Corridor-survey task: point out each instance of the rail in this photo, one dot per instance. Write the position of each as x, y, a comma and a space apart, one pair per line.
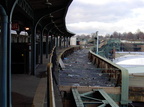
51, 69
50, 86
118, 74
50, 72
46, 87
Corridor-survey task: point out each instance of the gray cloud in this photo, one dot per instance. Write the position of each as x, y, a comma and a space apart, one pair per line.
107, 17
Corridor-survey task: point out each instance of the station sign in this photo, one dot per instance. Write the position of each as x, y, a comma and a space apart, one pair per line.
15, 26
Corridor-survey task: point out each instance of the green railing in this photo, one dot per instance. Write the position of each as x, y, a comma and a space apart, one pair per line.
116, 72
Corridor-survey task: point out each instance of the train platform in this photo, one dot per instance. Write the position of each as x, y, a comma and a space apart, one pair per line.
25, 86
23, 89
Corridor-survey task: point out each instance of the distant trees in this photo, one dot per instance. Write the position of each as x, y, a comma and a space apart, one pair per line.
139, 35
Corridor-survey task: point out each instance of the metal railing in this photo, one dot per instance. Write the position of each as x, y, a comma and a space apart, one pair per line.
46, 87
50, 85
116, 72
51, 75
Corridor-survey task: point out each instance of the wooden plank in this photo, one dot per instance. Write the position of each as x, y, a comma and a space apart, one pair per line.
136, 94
110, 90
136, 81
61, 63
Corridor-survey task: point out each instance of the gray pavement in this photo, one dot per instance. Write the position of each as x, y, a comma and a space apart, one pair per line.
24, 85
23, 89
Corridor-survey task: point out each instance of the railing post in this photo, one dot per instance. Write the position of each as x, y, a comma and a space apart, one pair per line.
125, 88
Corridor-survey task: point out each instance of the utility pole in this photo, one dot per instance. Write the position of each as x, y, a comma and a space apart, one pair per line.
97, 42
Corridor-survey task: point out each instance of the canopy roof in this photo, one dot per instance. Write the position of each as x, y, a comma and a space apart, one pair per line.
49, 13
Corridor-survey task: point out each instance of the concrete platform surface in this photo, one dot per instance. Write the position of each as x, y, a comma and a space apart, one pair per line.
23, 89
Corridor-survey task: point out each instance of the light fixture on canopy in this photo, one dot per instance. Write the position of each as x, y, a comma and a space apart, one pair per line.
48, 3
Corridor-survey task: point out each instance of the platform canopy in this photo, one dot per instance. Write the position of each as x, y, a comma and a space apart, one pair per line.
50, 14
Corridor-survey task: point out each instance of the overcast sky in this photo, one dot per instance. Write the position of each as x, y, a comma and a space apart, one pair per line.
105, 16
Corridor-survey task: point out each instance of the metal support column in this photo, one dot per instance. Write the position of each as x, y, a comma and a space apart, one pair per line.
54, 40
18, 36
33, 52
8, 53
64, 42
3, 57
67, 42
57, 41
9, 79
60, 42
33, 46
41, 48
47, 45
51, 43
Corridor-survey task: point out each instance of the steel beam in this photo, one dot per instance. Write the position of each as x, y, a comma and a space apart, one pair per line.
101, 98
77, 98
108, 98
26, 7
